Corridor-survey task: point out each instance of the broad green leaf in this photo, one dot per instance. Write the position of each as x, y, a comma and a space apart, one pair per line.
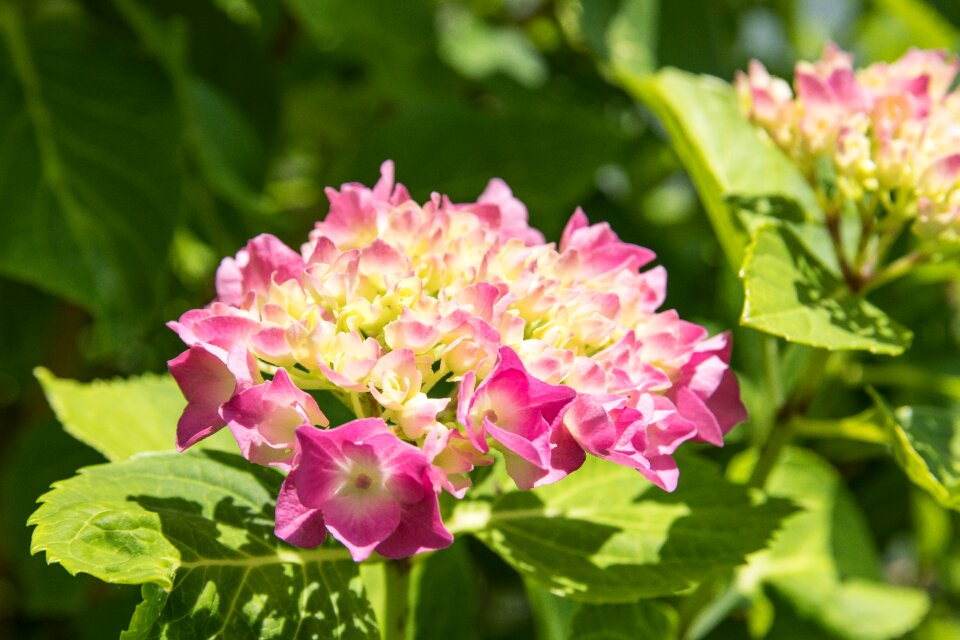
89, 186
727, 158
219, 137
123, 417
823, 560
604, 534
926, 444
790, 293
649, 620
196, 530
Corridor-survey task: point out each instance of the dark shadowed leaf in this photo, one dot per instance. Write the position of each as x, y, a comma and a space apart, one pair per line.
605, 534
90, 188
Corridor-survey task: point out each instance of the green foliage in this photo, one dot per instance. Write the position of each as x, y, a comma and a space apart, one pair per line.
91, 187
926, 445
606, 535
449, 572
142, 140
790, 293
120, 418
197, 531
726, 158
646, 619
823, 561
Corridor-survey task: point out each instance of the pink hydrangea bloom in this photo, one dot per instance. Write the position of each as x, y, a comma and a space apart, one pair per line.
375, 491
548, 353
889, 130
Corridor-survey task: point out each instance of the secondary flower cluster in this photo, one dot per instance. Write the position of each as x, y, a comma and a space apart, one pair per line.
546, 353
890, 131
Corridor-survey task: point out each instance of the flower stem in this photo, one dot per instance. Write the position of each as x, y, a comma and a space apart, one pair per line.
396, 599
896, 269
850, 276
782, 430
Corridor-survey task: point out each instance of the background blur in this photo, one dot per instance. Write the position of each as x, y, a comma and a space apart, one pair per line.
142, 140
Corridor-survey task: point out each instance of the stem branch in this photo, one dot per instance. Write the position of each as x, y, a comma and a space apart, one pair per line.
396, 598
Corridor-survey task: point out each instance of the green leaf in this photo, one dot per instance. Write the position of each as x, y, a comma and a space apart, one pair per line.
632, 36
552, 614
122, 417
196, 530
90, 188
605, 534
927, 28
726, 157
622, 34
646, 619
823, 560
790, 293
220, 138
478, 50
926, 445
450, 571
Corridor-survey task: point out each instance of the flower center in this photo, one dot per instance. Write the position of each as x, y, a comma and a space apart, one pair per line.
362, 481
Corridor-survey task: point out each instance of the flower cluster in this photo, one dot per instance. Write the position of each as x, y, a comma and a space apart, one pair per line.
546, 353
890, 131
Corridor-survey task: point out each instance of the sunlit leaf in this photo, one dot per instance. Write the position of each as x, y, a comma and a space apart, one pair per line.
197, 531
823, 560
604, 534
123, 417
928, 29
790, 293
926, 444
727, 158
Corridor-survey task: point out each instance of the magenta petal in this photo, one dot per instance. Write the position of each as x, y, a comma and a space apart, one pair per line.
813, 91
533, 448
207, 383
588, 423
420, 529
525, 474
662, 472
321, 471
692, 408
361, 522
297, 524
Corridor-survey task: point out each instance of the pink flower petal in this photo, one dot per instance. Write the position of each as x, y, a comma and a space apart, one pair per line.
295, 523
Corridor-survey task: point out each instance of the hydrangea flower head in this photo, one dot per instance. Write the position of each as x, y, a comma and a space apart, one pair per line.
546, 353
890, 132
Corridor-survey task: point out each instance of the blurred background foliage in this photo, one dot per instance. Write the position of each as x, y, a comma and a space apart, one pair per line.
142, 140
